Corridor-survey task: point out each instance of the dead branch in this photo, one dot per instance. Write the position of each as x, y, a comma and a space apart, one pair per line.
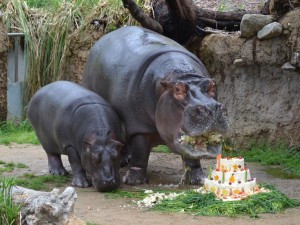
141, 17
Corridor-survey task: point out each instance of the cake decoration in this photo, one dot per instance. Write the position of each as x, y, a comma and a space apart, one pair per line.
231, 179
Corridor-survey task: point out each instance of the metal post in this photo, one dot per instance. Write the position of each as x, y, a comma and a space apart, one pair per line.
16, 37
17, 42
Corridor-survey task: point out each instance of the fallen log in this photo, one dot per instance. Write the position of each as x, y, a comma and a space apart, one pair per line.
38, 207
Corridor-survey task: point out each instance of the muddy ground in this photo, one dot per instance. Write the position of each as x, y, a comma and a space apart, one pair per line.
164, 169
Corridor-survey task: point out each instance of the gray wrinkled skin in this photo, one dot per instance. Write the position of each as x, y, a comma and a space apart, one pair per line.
69, 119
161, 91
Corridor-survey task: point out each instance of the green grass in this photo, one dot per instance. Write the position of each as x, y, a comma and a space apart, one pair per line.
161, 149
18, 133
44, 182
266, 154
8, 210
8, 167
88, 223
208, 205
126, 194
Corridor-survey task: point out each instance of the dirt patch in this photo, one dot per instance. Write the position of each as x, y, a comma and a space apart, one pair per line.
163, 169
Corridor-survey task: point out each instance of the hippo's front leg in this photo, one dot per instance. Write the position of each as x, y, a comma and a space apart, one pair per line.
139, 160
55, 164
79, 174
193, 173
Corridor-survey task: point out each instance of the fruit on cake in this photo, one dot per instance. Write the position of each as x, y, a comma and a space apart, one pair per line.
230, 180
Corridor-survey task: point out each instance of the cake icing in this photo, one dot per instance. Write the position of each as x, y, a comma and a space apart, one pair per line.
230, 179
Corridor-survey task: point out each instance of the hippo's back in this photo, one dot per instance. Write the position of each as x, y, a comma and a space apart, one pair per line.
125, 68
119, 56
51, 108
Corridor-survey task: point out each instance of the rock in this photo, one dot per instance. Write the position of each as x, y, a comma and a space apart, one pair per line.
269, 31
45, 208
295, 60
288, 66
252, 23
238, 62
73, 220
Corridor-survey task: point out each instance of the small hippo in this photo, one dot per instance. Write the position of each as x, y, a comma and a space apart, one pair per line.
162, 93
71, 120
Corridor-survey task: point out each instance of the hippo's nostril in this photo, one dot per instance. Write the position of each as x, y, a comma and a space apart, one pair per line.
223, 110
218, 106
202, 109
205, 110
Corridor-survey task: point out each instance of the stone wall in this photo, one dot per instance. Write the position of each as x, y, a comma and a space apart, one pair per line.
3, 70
262, 98
78, 52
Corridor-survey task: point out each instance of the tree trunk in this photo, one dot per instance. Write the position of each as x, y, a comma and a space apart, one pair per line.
3, 70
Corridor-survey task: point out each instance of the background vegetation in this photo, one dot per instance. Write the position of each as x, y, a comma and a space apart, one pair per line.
8, 210
17, 133
50, 26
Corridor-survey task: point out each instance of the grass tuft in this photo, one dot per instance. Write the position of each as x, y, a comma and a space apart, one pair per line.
208, 205
279, 154
125, 194
161, 149
9, 167
8, 210
17, 133
44, 182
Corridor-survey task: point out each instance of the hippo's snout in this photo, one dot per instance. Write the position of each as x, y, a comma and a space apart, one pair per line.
107, 185
210, 110
201, 130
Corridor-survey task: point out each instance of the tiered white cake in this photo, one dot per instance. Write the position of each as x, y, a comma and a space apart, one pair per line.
230, 180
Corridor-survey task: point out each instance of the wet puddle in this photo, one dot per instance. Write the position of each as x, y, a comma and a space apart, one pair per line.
280, 173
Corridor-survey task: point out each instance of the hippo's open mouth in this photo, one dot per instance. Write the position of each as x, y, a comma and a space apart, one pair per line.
207, 145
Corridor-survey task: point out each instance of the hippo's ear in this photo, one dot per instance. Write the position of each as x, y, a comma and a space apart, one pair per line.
211, 90
179, 91
164, 86
89, 141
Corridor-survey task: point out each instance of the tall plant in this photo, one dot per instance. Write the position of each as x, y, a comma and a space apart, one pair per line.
8, 210
49, 27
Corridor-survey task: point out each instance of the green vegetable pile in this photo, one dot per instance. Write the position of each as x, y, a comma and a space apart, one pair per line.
204, 140
208, 205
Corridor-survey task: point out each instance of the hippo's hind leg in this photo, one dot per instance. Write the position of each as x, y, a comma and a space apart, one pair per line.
139, 160
55, 164
79, 174
125, 156
193, 173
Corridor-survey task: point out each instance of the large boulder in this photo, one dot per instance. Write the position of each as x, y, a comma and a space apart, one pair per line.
270, 31
260, 93
252, 23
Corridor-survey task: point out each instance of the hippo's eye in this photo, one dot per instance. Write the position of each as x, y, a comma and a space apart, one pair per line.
207, 87
193, 93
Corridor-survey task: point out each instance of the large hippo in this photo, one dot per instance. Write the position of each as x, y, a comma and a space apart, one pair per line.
162, 93
71, 120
